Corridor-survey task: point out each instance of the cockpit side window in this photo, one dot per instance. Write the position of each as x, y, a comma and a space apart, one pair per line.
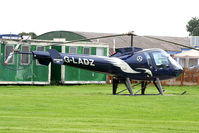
161, 59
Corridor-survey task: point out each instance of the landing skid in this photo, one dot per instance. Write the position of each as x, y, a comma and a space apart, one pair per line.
127, 82
157, 84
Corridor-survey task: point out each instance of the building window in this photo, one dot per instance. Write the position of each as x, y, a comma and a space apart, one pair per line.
39, 48
193, 62
8, 50
100, 51
182, 62
72, 50
25, 58
86, 51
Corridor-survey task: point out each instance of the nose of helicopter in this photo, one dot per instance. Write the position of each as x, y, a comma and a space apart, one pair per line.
178, 71
177, 68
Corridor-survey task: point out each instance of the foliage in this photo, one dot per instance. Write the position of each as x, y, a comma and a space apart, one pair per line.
32, 34
193, 27
92, 109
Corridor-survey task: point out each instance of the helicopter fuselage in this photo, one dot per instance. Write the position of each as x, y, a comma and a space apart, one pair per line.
142, 65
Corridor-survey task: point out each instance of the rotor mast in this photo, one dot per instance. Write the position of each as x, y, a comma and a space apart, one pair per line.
131, 34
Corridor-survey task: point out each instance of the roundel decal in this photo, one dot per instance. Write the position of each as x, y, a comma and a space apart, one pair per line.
139, 58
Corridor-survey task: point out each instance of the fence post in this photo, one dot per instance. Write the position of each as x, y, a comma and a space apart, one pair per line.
182, 78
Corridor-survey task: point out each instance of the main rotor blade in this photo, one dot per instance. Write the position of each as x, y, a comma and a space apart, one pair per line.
52, 43
174, 43
99, 37
94, 38
58, 43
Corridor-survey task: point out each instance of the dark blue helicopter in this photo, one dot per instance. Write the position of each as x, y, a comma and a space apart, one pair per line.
125, 65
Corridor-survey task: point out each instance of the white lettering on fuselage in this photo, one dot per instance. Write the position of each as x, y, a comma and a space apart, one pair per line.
82, 61
58, 60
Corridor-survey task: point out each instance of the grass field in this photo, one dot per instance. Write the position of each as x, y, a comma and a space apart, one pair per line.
92, 109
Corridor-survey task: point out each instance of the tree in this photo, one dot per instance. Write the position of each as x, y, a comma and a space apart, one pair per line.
193, 26
32, 34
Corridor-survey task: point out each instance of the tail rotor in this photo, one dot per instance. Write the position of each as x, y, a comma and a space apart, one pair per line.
16, 49
12, 53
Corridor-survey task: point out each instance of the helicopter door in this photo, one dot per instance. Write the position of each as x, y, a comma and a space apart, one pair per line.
160, 59
150, 64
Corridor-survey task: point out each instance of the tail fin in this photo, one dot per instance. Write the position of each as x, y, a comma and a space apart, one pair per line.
56, 57
41, 56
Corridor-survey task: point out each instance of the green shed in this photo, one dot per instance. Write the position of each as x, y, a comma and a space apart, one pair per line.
22, 69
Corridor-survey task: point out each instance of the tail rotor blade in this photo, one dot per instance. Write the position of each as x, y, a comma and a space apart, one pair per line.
9, 57
12, 53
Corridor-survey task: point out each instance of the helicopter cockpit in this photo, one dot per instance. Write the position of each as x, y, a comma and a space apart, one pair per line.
163, 61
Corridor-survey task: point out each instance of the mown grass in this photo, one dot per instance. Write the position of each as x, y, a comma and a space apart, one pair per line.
92, 109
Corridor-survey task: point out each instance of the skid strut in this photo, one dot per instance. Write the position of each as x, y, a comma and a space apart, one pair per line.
143, 87
127, 82
158, 85
128, 86
115, 82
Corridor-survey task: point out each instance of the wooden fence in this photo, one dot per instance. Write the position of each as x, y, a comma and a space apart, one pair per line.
188, 77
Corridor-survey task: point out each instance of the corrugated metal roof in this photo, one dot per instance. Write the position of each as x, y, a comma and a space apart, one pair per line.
139, 41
